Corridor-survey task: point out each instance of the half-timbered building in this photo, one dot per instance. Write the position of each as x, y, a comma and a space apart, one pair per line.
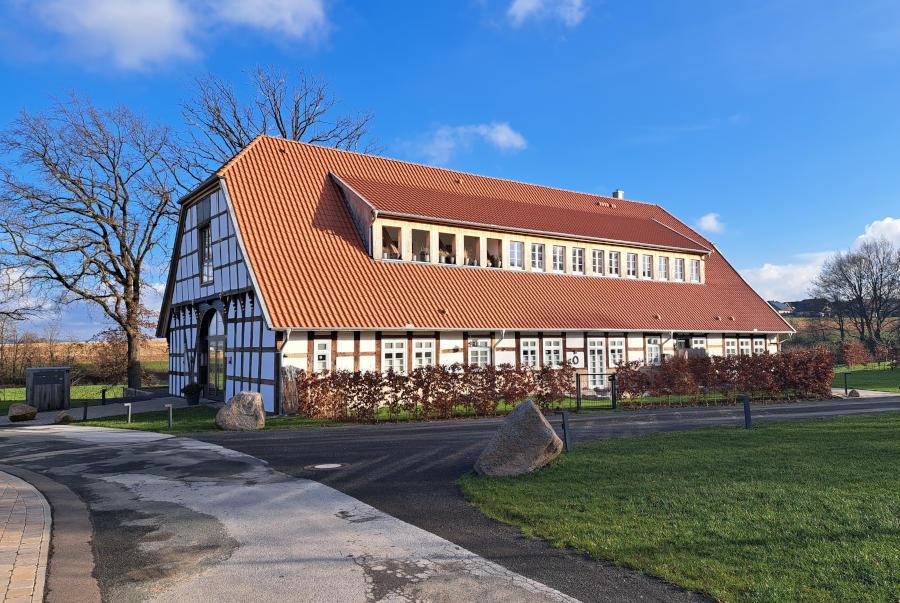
294, 254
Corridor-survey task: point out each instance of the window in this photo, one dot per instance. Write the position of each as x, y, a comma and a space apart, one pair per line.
552, 352
654, 350
663, 268
731, 347
597, 263
759, 346
647, 266
529, 352
393, 356
446, 248
559, 258
516, 251
206, 256
631, 265
494, 253
390, 243
421, 246
578, 260
537, 257
616, 351
698, 343
596, 354
614, 263
322, 357
423, 353
745, 347
472, 251
480, 352
695, 271
679, 269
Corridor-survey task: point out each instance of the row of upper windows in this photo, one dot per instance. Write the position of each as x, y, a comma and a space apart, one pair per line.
602, 353
602, 262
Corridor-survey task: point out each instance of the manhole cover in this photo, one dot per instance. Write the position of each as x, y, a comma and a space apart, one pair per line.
326, 466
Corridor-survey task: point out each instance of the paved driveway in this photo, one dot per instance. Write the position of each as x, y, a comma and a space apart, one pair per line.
409, 471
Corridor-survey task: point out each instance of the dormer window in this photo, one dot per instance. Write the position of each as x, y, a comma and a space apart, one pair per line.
472, 251
516, 253
495, 253
537, 257
559, 258
390, 243
421, 246
446, 248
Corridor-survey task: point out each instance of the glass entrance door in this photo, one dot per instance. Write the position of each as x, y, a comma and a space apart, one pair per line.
212, 355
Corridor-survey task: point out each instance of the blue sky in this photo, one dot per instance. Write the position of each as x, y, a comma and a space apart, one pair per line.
771, 126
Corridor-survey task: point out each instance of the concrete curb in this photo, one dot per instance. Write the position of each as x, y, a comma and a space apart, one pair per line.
70, 564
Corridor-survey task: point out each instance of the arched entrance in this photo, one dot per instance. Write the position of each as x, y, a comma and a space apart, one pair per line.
212, 355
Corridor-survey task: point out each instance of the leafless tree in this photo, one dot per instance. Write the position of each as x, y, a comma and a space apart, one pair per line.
299, 106
865, 283
86, 203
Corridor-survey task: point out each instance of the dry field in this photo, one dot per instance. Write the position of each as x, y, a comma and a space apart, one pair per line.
153, 350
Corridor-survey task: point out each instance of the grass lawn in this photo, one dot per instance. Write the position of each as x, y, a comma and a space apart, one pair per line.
156, 365
195, 419
805, 510
80, 394
872, 376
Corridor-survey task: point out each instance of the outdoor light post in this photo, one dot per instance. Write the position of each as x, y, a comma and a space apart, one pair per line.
746, 400
846, 390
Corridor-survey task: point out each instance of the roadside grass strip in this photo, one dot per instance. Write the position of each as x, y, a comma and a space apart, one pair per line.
79, 395
871, 377
194, 419
806, 510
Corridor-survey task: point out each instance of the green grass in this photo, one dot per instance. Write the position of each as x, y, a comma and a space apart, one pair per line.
873, 376
80, 395
157, 365
786, 511
194, 419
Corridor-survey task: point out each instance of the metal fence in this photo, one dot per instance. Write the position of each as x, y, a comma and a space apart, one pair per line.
595, 391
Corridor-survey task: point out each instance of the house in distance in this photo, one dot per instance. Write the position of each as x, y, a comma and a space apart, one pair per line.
294, 254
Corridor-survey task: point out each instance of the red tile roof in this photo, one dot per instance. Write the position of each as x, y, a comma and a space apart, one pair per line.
313, 271
582, 216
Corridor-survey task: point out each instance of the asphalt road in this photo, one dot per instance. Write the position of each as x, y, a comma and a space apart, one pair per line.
409, 471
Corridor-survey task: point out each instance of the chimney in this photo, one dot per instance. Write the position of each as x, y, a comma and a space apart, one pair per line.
618, 194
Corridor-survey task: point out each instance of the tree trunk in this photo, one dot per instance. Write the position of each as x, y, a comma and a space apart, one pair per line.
134, 358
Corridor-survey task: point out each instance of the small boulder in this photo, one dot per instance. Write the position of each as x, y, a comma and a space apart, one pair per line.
22, 412
63, 417
853, 394
525, 441
243, 412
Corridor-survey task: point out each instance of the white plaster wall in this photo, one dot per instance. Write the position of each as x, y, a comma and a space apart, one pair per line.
574, 340
505, 357
367, 343
344, 363
366, 363
345, 342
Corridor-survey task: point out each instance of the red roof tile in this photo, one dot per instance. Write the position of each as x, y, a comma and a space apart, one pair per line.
313, 271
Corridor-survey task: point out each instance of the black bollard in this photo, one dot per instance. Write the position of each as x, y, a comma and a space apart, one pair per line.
565, 426
746, 400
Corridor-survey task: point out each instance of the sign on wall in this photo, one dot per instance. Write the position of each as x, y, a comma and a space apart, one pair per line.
575, 359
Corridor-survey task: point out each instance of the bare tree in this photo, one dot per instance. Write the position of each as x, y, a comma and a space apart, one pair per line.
222, 120
86, 203
864, 284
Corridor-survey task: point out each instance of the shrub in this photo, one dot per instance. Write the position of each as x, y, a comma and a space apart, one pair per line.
854, 353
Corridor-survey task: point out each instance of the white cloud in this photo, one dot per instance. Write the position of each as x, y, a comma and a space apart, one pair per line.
296, 18
889, 229
446, 140
710, 223
135, 34
570, 12
786, 282
141, 34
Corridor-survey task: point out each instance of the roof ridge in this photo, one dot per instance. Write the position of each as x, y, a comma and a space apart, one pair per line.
442, 169
224, 167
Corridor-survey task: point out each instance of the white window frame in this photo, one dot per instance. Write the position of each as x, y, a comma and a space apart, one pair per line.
480, 351
695, 271
615, 263
615, 351
663, 267
538, 261
529, 352
730, 347
393, 355
646, 266
553, 352
559, 258
745, 347
597, 262
631, 268
423, 353
678, 270
578, 260
759, 346
653, 349
698, 343
596, 361
517, 261
321, 355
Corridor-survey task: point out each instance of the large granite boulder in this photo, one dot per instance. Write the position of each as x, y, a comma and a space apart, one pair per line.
243, 412
524, 442
63, 418
22, 412
853, 394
